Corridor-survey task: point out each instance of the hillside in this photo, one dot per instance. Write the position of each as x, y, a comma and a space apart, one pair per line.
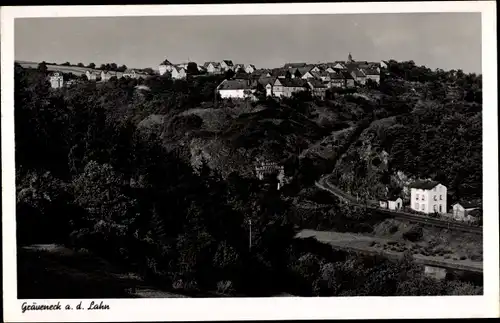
160, 183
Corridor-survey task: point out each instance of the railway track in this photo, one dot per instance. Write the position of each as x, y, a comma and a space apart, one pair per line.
324, 184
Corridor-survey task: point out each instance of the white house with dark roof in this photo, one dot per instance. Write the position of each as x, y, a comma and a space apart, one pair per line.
213, 67
286, 87
165, 67
358, 75
226, 65
250, 68
428, 197
178, 73
107, 75
235, 88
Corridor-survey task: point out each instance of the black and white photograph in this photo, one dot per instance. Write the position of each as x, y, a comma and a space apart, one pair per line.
241, 156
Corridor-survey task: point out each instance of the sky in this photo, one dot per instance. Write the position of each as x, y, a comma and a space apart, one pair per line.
436, 40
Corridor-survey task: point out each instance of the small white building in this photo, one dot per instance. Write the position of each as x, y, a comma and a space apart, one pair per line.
235, 89
56, 80
91, 75
461, 211
178, 73
428, 197
130, 73
250, 68
107, 75
392, 204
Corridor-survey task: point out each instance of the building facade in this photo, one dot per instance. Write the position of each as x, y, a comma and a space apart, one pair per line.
56, 80
428, 197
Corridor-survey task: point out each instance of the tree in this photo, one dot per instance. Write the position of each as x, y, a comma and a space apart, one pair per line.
229, 74
113, 67
103, 67
80, 65
42, 67
91, 65
192, 68
122, 68
66, 64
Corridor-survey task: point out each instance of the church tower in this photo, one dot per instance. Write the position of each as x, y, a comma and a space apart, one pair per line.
349, 58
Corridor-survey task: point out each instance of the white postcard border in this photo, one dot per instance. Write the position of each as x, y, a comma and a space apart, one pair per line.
262, 308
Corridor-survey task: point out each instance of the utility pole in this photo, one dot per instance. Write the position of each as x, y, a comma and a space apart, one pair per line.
250, 235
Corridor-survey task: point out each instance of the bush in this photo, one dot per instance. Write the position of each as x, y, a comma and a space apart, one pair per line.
414, 234
393, 229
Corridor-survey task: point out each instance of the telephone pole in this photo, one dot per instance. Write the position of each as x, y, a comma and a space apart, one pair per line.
250, 235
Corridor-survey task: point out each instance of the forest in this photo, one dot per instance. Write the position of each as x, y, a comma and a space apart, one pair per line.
92, 177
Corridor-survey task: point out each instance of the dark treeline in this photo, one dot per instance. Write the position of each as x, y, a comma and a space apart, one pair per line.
88, 178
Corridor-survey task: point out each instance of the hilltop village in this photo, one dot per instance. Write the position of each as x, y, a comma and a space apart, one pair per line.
244, 80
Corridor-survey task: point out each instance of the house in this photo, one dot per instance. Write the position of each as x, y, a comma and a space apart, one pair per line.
250, 68
358, 75
267, 169
372, 74
226, 65
294, 65
92, 75
462, 211
237, 67
307, 75
337, 80
178, 73
281, 73
392, 203
165, 67
130, 73
428, 197
339, 66
318, 88
286, 87
107, 75
260, 73
213, 67
235, 88
56, 80
383, 64
348, 79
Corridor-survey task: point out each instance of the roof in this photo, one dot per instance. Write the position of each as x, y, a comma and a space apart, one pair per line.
305, 69
290, 65
336, 76
358, 73
215, 64
228, 62
235, 84
468, 205
371, 71
267, 80
166, 62
317, 84
424, 185
129, 70
296, 82
347, 75
250, 65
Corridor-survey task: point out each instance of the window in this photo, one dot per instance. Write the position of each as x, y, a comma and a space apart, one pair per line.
440, 197
435, 198
434, 189
423, 197
416, 206
440, 208
423, 207
417, 197
435, 208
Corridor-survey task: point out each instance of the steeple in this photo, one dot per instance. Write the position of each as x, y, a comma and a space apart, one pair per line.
349, 58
